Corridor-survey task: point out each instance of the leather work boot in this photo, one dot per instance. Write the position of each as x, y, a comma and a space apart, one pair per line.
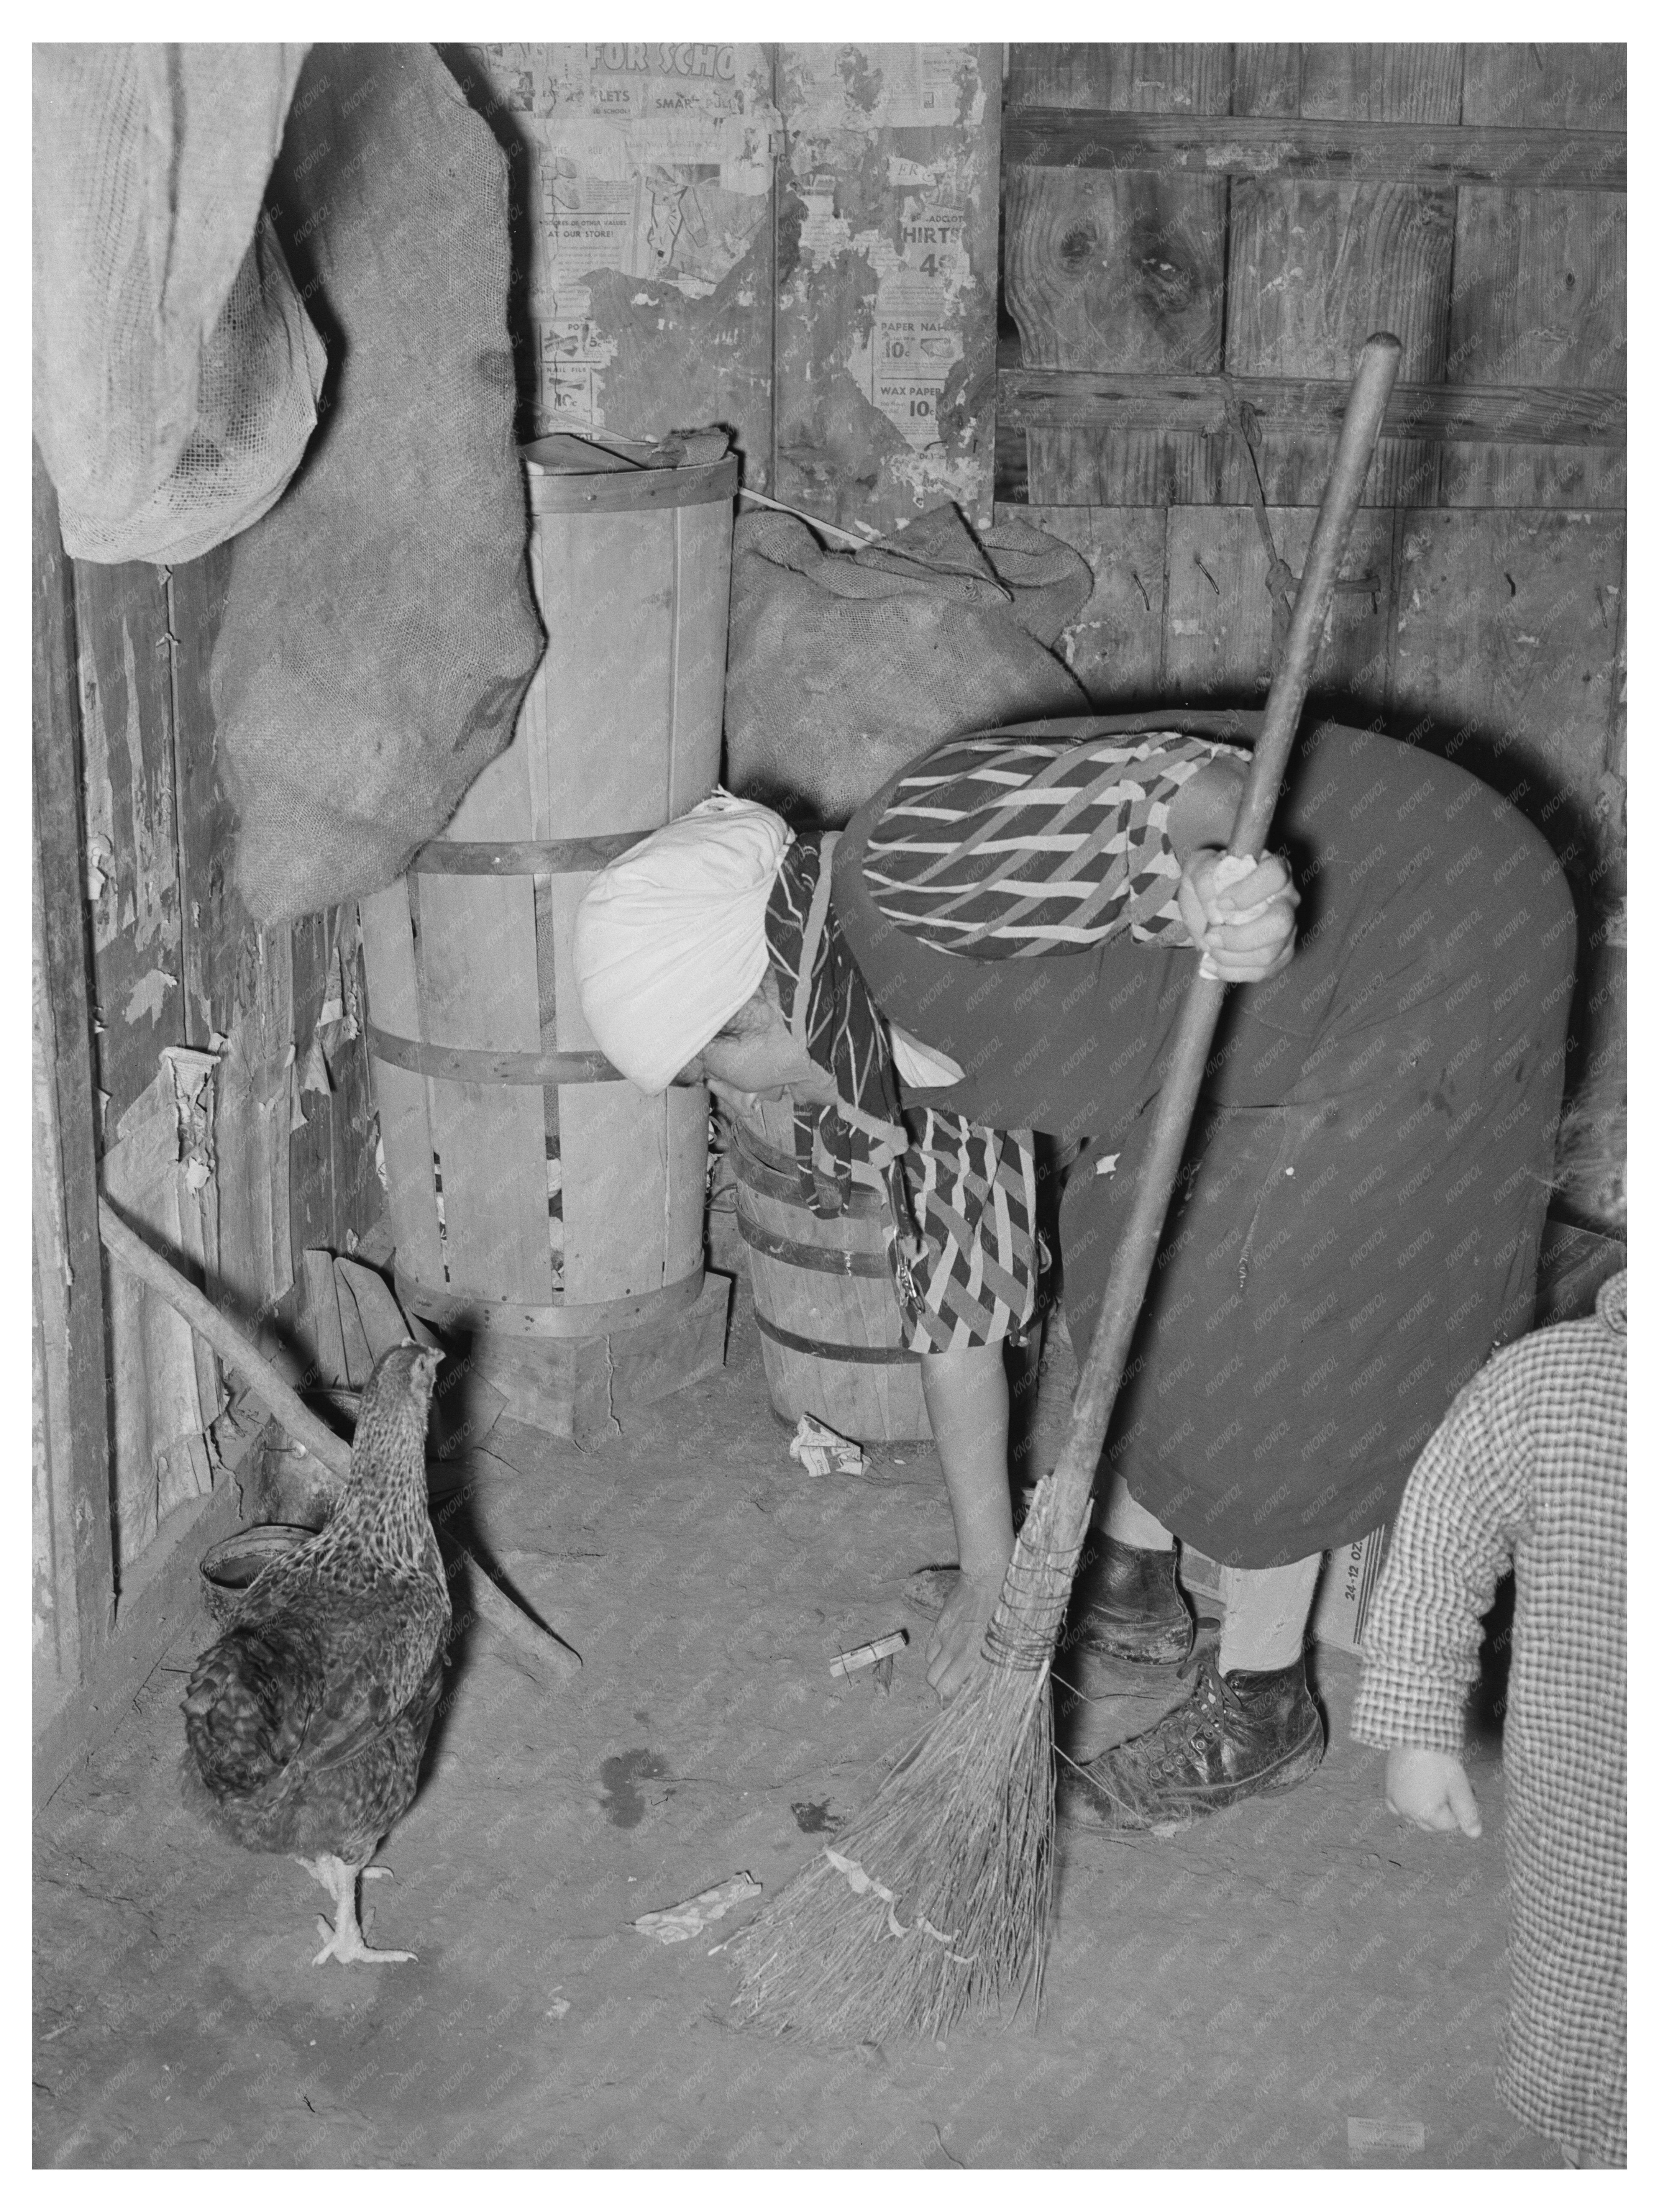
1236, 1736
1128, 1605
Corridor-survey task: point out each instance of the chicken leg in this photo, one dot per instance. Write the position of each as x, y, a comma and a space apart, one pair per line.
344, 1940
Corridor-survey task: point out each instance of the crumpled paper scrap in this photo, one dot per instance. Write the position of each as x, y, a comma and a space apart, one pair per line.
678, 1923
821, 1451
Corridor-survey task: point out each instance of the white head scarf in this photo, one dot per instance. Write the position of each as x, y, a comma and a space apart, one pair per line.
670, 939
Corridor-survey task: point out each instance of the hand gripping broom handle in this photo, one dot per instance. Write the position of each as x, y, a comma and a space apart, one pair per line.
1132, 1262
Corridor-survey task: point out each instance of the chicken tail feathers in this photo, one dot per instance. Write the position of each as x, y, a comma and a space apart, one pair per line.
246, 1707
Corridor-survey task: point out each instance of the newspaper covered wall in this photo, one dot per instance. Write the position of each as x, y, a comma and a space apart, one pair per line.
796, 241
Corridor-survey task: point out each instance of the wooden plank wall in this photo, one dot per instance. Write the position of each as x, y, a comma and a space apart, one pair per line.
142, 943
71, 1539
1187, 225
177, 960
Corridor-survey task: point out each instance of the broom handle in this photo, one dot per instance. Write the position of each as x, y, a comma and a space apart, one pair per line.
1132, 1262
539, 1645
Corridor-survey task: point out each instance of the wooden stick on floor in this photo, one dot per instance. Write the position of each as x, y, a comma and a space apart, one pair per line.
544, 1653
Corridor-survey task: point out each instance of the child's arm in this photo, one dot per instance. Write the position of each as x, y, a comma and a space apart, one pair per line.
1454, 1536
1431, 1789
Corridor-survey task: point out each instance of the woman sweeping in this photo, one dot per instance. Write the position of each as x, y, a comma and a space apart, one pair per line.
998, 944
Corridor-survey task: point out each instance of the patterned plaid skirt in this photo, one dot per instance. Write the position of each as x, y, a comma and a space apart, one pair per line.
972, 1192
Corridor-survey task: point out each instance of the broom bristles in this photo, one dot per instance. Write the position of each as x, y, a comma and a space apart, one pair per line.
936, 1896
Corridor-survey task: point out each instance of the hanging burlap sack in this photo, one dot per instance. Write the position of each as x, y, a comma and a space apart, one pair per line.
380, 628
843, 667
176, 373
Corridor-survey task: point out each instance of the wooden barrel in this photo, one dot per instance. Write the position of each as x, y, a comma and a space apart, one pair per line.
534, 1195
830, 1324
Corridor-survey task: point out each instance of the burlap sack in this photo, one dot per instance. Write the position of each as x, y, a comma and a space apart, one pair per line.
380, 628
176, 373
843, 667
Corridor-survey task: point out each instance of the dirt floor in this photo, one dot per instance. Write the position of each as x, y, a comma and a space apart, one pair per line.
1241, 1996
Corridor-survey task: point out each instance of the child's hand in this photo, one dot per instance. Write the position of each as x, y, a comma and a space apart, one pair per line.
1245, 924
1431, 1787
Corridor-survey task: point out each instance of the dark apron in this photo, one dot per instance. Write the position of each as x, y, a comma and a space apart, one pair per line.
1366, 1182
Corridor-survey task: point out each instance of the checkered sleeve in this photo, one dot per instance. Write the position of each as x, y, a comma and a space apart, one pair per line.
1459, 1522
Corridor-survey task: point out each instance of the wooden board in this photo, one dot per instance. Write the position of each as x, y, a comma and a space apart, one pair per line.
1031, 399
1387, 83
1219, 624
1373, 83
1114, 648
254, 1125
1087, 467
1110, 272
1319, 268
886, 279
1310, 148
334, 1193
238, 978
1484, 473
1541, 296
74, 1584
1122, 469
1314, 267
1506, 638
1559, 85
1069, 437
1267, 80
405, 1113
215, 927
54, 1654
238, 1001
162, 1398
1186, 80
131, 815
1105, 272
1540, 300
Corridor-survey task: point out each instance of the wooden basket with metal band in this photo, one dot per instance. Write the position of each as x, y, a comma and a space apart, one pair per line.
831, 1327
485, 1070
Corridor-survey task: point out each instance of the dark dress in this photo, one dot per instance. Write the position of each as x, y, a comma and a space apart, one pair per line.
1368, 1172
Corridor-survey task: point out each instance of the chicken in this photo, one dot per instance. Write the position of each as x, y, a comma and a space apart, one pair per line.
307, 1720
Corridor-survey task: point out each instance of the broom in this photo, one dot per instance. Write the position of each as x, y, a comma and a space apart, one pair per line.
937, 1894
